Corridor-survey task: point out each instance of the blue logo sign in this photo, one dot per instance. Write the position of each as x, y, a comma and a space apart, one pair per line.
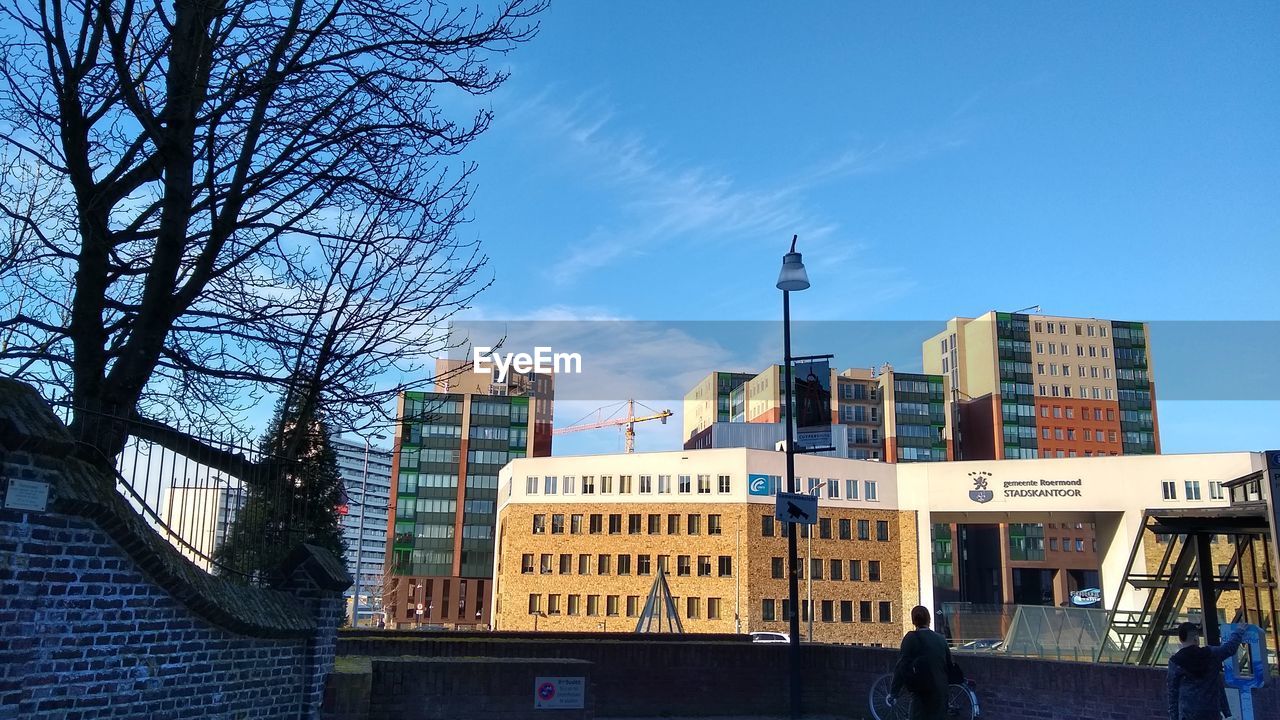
1255, 642
758, 484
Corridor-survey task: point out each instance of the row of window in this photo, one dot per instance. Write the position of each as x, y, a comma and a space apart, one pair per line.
1091, 372
1191, 489
637, 524
1085, 393
1069, 412
568, 485
621, 564
1067, 544
830, 488
827, 610
1088, 434
832, 569
844, 527
1081, 328
692, 607
1052, 453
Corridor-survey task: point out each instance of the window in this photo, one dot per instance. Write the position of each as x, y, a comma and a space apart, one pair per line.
1170, 490
566, 564
624, 564
1053, 544
624, 484
837, 570
1215, 490
588, 484
713, 608
855, 570
846, 529
611, 605
873, 571
606, 484
833, 488
535, 604
869, 488
615, 523
633, 605
575, 524
864, 530
526, 564
886, 611
768, 610
683, 567
766, 525
646, 484
704, 484
593, 605
704, 566
655, 524
725, 568
725, 485
557, 524
882, 530
602, 564
673, 524
635, 523
664, 484
575, 604
596, 524
815, 568
693, 608
864, 611
713, 525
851, 489
664, 563
570, 485
1192, 488
777, 568
1079, 545
531, 485
544, 563
553, 604
824, 528
828, 611
584, 564
695, 524
643, 565
686, 484
846, 611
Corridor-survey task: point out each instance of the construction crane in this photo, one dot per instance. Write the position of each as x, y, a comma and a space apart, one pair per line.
629, 422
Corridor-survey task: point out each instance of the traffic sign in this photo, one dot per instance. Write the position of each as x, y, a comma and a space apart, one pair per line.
559, 693
798, 508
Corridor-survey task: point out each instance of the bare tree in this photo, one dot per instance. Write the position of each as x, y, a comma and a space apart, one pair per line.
252, 190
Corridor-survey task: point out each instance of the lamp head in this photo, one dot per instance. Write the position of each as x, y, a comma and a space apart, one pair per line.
793, 276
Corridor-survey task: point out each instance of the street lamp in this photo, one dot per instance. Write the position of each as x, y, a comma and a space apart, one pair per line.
364, 506
792, 278
537, 614
815, 491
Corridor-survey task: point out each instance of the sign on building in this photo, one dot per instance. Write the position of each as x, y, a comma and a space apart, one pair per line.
559, 693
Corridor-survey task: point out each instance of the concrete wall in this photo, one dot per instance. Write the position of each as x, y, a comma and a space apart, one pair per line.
102, 617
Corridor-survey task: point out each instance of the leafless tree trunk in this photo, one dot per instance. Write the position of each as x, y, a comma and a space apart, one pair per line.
250, 190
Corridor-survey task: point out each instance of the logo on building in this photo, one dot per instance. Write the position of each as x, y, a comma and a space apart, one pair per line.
980, 493
758, 484
1086, 597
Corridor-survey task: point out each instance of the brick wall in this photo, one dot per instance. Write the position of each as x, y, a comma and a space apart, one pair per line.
100, 617
634, 677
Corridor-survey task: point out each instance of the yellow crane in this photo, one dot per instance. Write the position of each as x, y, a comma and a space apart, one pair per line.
629, 421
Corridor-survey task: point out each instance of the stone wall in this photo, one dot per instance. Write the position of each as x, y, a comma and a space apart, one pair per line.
101, 617
662, 676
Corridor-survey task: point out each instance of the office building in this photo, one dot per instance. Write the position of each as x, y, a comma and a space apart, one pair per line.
366, 480
580, 539
449, 447
1029, 386
709, 401
881, 414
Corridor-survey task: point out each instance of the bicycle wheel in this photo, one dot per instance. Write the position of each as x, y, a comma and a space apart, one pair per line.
959, 703
879, 700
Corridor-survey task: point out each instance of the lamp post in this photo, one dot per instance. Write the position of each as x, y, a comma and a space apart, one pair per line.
815, 491
364, 506
792, 278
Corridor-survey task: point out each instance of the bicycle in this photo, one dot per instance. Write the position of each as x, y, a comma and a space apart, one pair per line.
962, 701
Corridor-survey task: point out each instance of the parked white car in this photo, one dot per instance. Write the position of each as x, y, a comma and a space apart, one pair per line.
770, 637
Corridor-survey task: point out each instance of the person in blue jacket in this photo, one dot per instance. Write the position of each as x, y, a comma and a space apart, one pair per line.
1195, 675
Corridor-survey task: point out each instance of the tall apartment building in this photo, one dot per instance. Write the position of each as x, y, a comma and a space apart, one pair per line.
1046, 386
709, 401
885, 415
450, 445
368, 489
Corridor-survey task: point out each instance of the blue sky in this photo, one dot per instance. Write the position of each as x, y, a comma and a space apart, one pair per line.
650, 160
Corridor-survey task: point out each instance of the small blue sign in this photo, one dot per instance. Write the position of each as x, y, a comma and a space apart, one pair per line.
1257, 647
797, 508
758, 485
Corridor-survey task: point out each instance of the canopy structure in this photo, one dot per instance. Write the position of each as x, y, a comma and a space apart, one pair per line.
659, 607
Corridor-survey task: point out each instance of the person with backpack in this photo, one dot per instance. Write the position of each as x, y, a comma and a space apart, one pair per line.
1194, 681
923, 668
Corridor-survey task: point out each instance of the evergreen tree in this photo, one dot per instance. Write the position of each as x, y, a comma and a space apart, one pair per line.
294, 500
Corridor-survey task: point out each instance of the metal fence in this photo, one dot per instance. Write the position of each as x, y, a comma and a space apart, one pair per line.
226, 525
